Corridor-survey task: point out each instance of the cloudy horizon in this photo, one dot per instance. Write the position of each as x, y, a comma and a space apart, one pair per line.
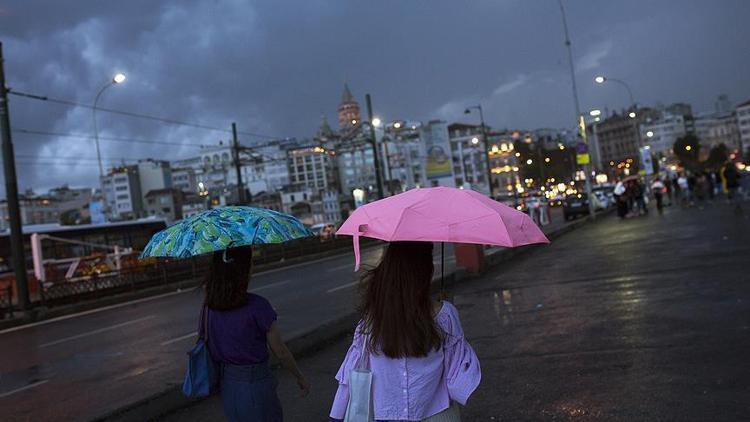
276, 69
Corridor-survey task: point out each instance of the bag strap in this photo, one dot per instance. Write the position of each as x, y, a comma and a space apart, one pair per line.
365, 354
203, 329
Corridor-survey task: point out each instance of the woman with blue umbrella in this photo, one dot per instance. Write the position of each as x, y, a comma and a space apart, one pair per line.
236, 327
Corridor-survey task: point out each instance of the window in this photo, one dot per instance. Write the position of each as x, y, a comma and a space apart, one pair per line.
121, 188
291, 198
225, 157
164, 200
123, 197
121, 179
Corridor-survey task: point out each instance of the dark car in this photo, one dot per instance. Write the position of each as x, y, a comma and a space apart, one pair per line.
575, 205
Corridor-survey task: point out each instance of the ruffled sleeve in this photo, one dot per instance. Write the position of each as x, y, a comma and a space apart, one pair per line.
463, 373
341, 399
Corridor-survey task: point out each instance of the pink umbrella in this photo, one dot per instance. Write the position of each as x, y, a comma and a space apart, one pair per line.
441, 215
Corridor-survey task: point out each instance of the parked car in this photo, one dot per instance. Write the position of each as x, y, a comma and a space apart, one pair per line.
575, 205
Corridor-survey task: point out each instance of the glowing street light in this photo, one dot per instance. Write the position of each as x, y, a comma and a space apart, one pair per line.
650, 134
529, 161
600, 79
377, 122
631, 114
475, 140
119, 78
595, 113
397, 125
688, 147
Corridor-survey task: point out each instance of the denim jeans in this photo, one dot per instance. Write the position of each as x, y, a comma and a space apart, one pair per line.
248, 393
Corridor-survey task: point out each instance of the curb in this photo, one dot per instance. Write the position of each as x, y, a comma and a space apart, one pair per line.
306, 344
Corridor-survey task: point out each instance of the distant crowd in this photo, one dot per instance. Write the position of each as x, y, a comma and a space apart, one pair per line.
689, 189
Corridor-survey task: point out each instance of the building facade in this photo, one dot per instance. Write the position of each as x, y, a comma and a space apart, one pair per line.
743, 126
661, 133
166, 203
122, 193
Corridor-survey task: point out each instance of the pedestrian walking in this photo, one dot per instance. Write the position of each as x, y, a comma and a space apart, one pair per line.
422, 366
639, 193
658, 189
236, 327
699, 189
684, 188
731, 181
241, 327
620, 194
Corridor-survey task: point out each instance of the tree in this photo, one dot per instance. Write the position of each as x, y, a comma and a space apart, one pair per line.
687, 149
718, 155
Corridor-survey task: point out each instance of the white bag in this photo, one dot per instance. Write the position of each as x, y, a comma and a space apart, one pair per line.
360, 407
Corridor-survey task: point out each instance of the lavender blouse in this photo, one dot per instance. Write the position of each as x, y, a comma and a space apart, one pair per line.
416, 388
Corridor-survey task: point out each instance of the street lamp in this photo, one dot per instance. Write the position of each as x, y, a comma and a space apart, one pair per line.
602, 79
376, 122
650, 134
595, 113
475, 140
486, 143
116, 80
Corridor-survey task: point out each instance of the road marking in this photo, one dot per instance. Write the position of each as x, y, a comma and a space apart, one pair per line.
97, 331
268, 286
345, 286
340, 267
180, 338
94, 311
18, 390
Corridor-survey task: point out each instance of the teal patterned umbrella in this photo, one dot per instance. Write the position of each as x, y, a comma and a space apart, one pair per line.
220, 228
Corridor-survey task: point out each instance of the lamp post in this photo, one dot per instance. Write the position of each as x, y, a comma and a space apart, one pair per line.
586, 172
374, 141
486, 140
601, 80
117, 79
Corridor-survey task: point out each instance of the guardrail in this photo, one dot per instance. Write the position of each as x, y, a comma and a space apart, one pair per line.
179, 272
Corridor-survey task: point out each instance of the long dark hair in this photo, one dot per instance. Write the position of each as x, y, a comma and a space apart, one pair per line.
396, 307
228, 278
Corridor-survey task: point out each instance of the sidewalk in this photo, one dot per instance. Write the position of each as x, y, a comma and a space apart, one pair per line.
642, 319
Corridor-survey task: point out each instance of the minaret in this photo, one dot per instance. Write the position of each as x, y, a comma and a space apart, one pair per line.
348, 110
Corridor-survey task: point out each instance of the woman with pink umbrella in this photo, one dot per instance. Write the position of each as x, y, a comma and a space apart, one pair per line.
409, 359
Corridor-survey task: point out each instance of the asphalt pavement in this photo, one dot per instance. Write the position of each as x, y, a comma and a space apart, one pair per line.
643, 319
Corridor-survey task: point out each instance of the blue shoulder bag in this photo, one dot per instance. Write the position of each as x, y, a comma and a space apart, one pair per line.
201, 378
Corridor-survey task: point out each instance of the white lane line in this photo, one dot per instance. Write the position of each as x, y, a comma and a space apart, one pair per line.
268, 286
341, 267
94, 311
97, 331
345, 286
18, 390
180, 338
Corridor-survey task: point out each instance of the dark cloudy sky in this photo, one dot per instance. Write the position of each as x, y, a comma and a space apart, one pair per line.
274, 66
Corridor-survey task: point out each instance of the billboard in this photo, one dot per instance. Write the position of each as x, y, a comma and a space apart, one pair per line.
96, 210
437, 147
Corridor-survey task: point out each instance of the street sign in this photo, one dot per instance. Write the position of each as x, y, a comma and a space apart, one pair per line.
583, 159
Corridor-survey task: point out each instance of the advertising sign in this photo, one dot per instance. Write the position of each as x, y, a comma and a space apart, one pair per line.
439, 166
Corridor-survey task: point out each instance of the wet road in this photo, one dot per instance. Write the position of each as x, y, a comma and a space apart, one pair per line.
642, 319
88, 364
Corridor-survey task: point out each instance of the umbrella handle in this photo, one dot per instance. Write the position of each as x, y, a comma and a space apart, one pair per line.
224, 255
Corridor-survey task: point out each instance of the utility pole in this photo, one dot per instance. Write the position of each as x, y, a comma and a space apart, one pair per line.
11, 192
374, 141
237, 166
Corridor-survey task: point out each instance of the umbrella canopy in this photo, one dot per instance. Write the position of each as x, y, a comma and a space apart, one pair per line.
631, 178
441, 215
220, 228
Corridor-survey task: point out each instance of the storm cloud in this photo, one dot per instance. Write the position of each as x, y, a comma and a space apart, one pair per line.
275, 67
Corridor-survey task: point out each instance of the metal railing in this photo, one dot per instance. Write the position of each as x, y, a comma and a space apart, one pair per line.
181, 273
